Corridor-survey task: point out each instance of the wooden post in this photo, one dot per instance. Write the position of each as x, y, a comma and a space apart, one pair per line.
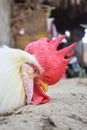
5, 37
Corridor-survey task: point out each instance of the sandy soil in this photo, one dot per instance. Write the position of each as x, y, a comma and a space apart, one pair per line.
67, 110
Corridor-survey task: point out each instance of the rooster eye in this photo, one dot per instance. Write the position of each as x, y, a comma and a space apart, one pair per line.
35, 70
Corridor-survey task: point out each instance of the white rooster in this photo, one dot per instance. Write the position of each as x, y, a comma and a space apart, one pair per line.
17, 70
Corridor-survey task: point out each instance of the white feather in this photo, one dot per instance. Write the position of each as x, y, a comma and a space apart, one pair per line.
12, 93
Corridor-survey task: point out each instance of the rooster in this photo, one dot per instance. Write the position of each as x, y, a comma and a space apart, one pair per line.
18, 70
25, 75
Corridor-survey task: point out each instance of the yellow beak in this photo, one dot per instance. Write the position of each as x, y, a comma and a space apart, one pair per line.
44, 86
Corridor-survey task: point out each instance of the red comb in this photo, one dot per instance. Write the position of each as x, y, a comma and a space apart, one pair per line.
52, 61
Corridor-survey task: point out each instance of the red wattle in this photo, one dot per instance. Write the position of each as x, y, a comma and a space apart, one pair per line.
39, 96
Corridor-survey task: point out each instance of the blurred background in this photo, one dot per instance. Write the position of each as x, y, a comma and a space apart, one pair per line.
24, 21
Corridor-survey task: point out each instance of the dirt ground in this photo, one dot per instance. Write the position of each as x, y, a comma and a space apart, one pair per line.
67, 110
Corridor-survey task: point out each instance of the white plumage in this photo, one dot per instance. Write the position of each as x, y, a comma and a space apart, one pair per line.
12, 92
